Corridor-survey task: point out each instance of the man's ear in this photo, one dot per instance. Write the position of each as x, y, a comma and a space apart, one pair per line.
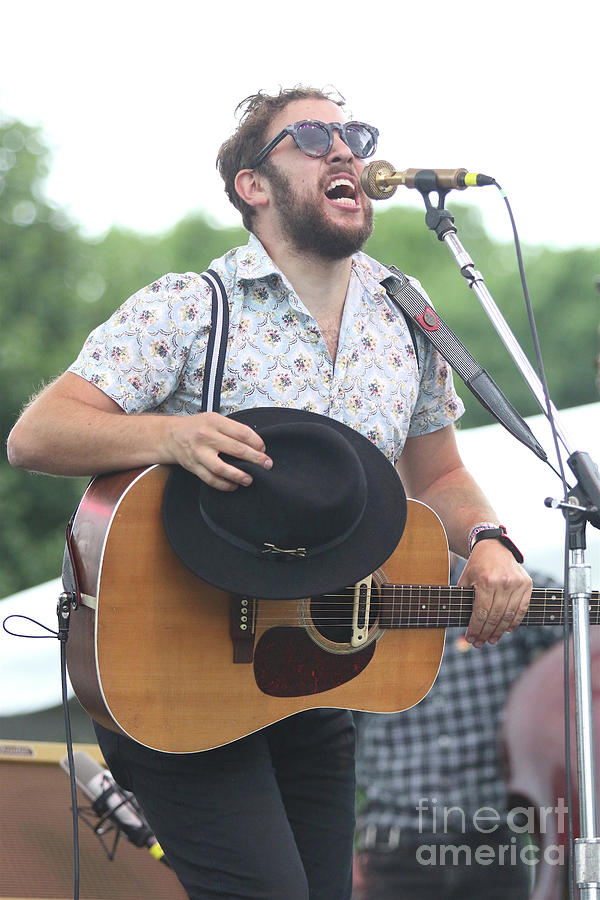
250, 188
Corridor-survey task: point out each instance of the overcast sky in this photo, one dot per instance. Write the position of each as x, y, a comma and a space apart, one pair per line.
136, 97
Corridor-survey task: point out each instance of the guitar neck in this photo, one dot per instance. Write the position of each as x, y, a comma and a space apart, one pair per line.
441, 606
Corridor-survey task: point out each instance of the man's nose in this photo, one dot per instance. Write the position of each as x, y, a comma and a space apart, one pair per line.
340, 151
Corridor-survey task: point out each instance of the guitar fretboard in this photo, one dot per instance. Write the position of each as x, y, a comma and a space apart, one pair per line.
441, 606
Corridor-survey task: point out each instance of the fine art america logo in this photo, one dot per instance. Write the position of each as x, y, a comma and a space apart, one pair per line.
527, 824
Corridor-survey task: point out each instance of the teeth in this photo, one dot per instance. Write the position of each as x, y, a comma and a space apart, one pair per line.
339, 182
342, 182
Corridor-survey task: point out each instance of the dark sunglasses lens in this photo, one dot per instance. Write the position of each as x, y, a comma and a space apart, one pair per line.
312, 139
360, 140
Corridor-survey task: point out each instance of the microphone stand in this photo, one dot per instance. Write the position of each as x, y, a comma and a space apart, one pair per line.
580, 507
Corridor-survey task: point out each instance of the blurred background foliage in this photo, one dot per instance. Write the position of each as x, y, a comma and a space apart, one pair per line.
56, 285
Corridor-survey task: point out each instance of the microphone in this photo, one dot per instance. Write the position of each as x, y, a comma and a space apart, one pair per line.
111, 802
379, 179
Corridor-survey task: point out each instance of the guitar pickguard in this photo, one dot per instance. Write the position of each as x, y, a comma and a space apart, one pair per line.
287, 663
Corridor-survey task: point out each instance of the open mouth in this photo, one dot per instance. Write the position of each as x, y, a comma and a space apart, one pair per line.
342, 191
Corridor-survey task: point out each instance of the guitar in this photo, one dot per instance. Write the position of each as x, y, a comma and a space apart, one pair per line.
180, 666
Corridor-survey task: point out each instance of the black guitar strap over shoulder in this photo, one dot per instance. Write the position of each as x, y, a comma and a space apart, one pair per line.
216, 349
416, 308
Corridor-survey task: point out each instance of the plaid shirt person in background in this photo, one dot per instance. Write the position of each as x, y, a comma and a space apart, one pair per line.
431, 777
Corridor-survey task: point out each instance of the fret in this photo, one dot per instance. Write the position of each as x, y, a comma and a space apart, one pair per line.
425, 604
444, 610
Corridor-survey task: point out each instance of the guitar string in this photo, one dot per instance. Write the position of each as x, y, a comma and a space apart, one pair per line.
450, 616
537, 594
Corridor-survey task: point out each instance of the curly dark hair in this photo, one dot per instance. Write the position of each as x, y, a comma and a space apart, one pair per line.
257, 112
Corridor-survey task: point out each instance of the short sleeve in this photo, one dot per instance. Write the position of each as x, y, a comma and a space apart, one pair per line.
137, 356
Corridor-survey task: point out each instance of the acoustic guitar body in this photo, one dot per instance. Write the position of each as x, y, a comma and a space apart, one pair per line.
151, 649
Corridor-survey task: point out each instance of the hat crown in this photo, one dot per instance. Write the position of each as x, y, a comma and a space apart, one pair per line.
313, 497
332, 507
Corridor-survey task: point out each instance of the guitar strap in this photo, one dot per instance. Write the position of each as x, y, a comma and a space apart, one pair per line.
416, 308
69, 572
217, 344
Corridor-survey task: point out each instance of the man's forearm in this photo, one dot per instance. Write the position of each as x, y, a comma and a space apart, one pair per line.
460, 503
84, 440
432, 471
73, 428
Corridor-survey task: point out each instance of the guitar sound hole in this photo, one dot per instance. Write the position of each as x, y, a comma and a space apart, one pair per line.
332, 614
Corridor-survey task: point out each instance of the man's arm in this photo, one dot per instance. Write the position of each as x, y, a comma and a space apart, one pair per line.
432, 471
74, 428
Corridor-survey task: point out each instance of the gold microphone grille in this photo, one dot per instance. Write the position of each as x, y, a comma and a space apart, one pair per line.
368, 180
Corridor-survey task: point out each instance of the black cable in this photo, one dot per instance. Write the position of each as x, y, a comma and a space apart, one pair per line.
53, 633
535, 338
69, 740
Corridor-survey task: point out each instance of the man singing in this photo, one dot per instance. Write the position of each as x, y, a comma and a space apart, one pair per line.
310, 327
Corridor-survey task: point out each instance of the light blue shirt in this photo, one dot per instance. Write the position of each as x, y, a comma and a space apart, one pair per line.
149, 356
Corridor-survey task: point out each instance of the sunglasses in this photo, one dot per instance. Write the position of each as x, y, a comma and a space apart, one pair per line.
315, 138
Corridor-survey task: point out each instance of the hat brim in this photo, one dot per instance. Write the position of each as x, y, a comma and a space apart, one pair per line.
216, 561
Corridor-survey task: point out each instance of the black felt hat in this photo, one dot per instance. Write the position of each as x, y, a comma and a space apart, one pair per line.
330, 511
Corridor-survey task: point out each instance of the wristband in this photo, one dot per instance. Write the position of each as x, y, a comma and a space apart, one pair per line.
488, 530
481, 526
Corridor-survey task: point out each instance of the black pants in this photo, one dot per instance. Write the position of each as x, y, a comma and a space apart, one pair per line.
270, 816
427, 867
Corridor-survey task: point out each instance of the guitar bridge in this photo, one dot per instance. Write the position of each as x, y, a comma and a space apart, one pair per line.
360, 611
242, 619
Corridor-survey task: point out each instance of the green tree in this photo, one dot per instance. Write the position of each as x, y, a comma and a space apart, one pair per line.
40, 267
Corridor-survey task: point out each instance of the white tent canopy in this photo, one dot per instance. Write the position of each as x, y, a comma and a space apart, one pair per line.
513, 478
30, 669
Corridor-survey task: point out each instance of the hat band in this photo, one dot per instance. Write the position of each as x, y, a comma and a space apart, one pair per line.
279, 553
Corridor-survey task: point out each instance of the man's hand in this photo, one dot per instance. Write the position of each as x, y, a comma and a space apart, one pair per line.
196, 442
502, 591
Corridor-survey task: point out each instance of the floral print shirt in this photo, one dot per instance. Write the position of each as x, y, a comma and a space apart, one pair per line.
149, 355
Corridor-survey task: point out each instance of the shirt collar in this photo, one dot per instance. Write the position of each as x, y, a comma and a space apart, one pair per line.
254, 263
370, 272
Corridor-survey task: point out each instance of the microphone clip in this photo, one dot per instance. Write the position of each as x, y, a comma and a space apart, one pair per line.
101, 826
437, 218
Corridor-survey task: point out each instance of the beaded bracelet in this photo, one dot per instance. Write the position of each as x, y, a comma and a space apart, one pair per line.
481, 526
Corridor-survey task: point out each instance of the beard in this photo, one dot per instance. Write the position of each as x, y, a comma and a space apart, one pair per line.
307, 228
